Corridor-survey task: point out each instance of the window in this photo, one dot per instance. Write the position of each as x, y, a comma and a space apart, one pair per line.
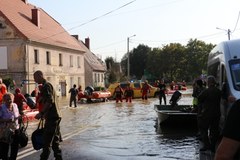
137, 85
124, 85
36, 56
48, 56
78, 62
235, 73
71, 61
3, 59
102, 77
79, 80
60, 60
95, 77
71, 82
98, 77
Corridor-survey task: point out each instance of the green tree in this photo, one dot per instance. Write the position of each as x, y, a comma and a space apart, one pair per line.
109, 62
172, 62
197, 56
138, 60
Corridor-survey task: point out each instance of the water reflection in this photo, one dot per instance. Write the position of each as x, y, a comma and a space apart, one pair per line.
127, 131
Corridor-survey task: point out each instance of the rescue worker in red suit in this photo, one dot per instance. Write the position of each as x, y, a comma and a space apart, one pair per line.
118, 93
145, 90
3, 90
128, 93
19, 99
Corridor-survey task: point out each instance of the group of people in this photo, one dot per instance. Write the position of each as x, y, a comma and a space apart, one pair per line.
10, 116
128, 92
119, 93
206, 102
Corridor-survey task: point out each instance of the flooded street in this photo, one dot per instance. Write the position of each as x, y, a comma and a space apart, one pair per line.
110, 131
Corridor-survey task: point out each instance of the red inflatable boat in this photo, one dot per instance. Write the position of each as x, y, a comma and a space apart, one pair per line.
103, 95
29, 113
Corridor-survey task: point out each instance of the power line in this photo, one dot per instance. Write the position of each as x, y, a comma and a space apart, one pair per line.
91, 19
236, 22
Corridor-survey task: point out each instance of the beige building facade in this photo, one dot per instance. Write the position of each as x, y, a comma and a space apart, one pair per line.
31, 40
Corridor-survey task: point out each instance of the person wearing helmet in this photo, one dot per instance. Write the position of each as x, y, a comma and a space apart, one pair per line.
128, 93
118, 93
145, 90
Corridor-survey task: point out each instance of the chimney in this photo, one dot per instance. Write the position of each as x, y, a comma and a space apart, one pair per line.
87, 43
36, 17
75, 36
24, 1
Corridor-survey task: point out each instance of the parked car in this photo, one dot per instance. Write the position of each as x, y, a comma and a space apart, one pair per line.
136, 86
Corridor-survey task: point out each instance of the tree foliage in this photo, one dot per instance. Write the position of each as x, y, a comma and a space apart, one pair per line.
173, 61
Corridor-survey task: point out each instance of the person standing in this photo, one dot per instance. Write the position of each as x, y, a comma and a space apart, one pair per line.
145, 90
162, 90
118, 92
9, 115
229, 147
209, 115
128, 93
19, 99
51, 113
73, 97
197, 89
3, 90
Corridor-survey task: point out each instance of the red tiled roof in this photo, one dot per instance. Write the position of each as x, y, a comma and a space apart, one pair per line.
19, 15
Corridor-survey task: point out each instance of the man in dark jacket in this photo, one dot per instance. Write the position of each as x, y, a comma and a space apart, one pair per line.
73, 98
162, 90
209, 115
51, 113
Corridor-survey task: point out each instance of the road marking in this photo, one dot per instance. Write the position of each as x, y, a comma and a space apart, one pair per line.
29, 151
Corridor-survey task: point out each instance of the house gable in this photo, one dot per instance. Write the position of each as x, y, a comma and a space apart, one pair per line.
36, 25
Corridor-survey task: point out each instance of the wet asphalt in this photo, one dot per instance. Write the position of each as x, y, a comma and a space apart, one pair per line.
123, 131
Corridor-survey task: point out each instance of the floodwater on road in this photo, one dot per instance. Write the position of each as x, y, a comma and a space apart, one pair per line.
123, 131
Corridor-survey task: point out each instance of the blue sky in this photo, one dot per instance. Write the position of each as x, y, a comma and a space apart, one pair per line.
155, 23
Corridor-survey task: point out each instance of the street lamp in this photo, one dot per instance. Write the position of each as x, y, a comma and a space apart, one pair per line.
227, 30
128, 64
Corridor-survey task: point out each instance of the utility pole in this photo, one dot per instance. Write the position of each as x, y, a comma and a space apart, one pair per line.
128, 64
227, 30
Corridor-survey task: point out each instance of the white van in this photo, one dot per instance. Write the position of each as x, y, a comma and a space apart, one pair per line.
224, 64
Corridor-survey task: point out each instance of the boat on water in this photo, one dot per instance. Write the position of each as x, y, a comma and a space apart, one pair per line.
175, 115
29, 114
100, 95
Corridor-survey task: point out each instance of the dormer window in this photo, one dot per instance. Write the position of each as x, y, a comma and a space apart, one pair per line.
2, 26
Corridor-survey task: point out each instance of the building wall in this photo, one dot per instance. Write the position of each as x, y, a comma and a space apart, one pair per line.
91, 77
88, 75
19, 62
21, 65
58, 74
98, 79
